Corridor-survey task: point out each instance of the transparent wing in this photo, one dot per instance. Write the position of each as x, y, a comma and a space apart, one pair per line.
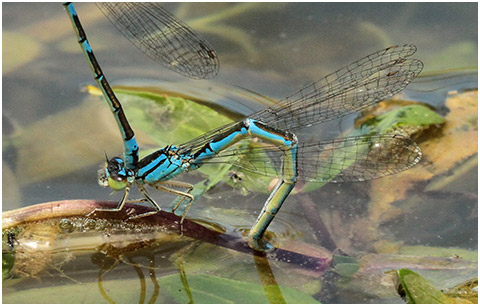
350, 159
373, 78
163, 37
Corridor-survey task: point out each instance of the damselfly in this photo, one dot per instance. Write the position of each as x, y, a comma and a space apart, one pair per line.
363, 83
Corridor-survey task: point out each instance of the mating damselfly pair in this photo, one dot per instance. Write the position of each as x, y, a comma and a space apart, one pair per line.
363, 83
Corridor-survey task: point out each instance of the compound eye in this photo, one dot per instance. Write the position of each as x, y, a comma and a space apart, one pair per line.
117, 183
116, 176
115, 165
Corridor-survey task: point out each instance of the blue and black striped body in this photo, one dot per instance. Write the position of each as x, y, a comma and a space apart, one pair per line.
161, 165
130, 146
166, 163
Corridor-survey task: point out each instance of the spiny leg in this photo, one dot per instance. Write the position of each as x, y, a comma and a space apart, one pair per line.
136, 201
184, 194
149, 199
118, 208
160, 186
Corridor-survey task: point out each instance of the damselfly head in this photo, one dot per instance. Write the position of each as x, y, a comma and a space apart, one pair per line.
115, 175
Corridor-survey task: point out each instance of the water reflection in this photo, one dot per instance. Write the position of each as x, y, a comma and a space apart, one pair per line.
71, 252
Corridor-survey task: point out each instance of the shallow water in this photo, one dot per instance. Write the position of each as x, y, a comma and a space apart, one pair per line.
54, 140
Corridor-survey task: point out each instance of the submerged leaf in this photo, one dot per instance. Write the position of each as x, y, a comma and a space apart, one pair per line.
403, 120
407, 116
465, 291
209, 289
168, 119
75, 137
13, 42
417, 290
459, 131
345, 266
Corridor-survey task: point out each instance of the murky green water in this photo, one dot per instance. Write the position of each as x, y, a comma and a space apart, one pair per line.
55, 137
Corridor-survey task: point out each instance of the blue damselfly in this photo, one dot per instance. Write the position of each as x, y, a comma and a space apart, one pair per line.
363, 83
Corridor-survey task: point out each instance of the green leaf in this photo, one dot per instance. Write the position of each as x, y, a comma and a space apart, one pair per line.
167, 119
204, 289
8, 253
415, 115
407, 118
8, 260
209, 289
345, 265
250, 181
418, 290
